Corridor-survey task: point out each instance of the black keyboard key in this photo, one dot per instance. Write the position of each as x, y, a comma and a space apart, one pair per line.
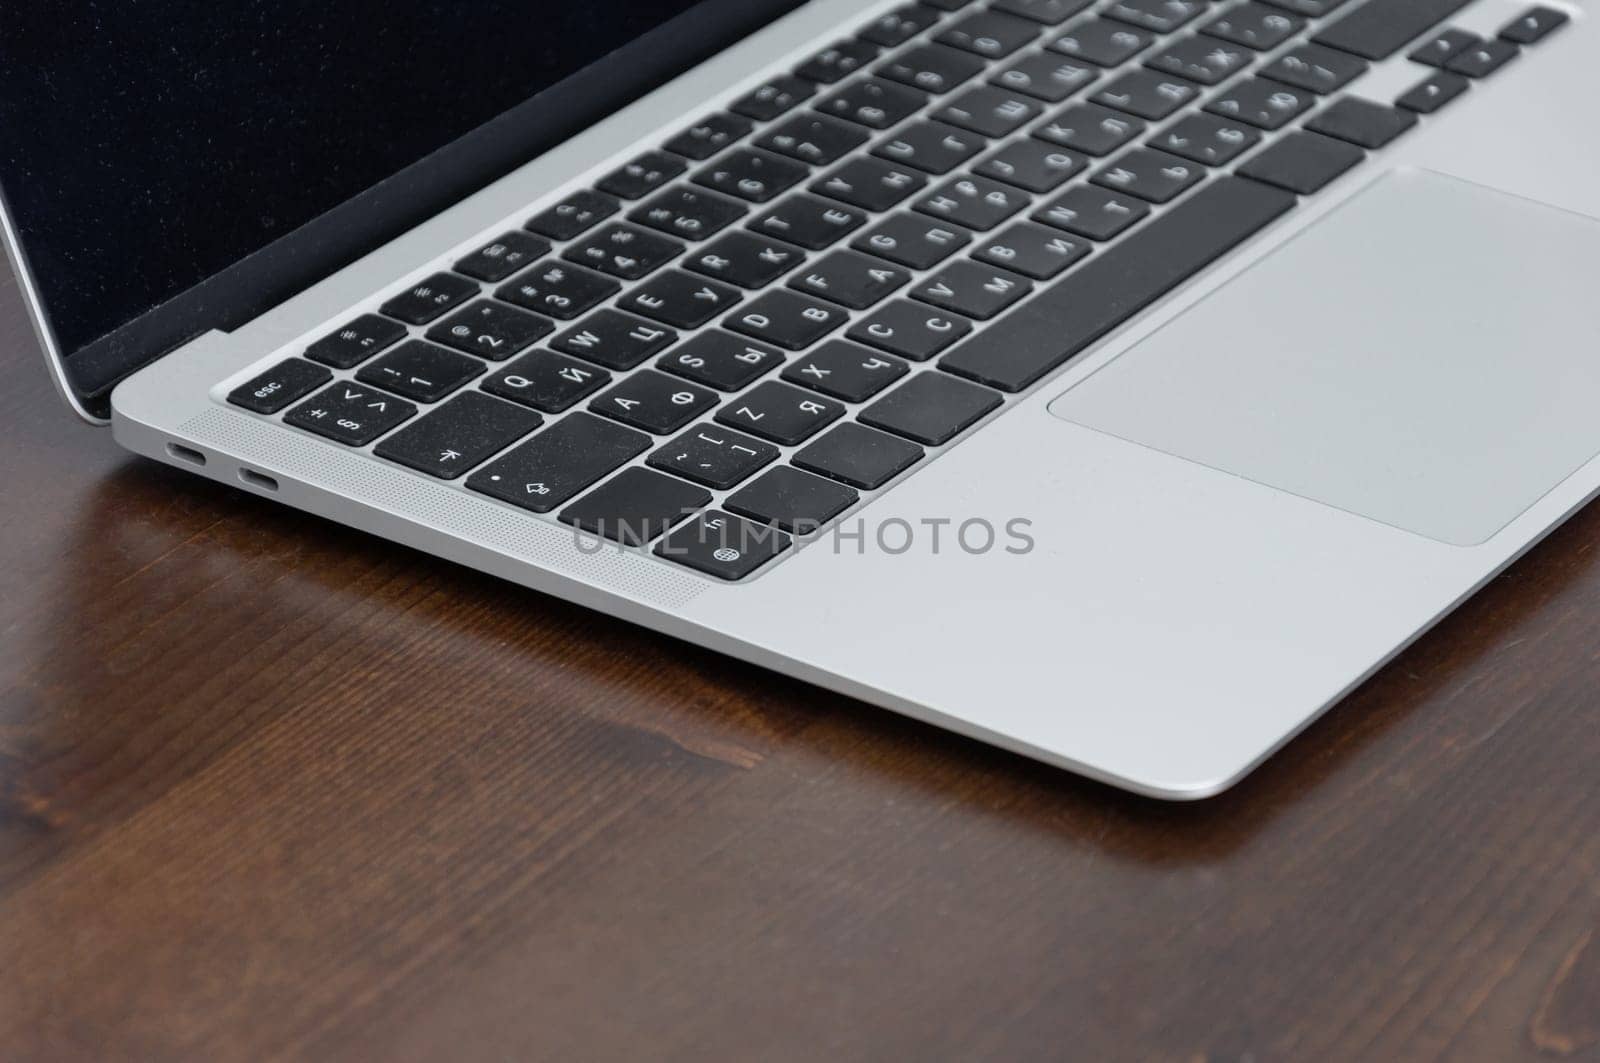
637, 507
1103, 42
500, 259
899, 26
1533, 25
352, 414
573, 216
1046, 76
491, 330
991, 34
356, 342
722, 545
286, 382
814, 139
976, 202
838, 62
931, 408
871, 184
463, 433
1433, 93
989, 111
1033, 165
1207, 139
810, 222
559, 290
546, 381
1032, 250
932, 147
1254, 25
637, 179
1153, 176
421, 371
780, 413
1262, 103
973, 290
1200, 59
714, 456
1303, 163
1091, 129
680, 299
689, 213
1316, 69
774, 99
559, 461
1117, 284
795, 501
757, 176
1481, 60
1160, 16
845, 371
1093, 212
932, 68
427, 300
1443, 46
948, 5
909, 330
874, 103
1361, 122
1379, 28
860, 457
1308, 8
745, 259
788, 319
721, 360
704, 139
850, 279
613, 339
1049, 12
625, 251
914, 241
1147, 94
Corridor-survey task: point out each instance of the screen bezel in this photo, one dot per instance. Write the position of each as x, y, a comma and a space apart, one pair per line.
372, 218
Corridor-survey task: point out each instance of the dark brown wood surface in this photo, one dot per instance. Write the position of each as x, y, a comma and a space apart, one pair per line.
272, 789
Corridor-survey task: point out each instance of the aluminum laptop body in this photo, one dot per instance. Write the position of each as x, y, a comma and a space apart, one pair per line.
1158, 561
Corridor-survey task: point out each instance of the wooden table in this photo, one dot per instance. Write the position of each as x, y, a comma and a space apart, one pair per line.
270, 788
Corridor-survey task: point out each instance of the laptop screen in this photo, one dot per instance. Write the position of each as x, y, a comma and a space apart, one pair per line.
170, 166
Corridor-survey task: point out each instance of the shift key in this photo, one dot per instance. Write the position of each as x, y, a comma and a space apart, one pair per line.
559, 462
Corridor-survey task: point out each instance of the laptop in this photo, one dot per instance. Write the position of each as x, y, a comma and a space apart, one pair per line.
1118, 382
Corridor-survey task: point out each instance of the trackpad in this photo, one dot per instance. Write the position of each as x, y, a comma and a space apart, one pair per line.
1427, 356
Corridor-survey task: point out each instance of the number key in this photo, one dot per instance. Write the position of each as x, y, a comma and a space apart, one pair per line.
560, 290
624, 251
491, 330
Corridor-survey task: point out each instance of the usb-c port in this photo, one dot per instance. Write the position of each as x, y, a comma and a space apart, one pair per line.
188, 454
257, 479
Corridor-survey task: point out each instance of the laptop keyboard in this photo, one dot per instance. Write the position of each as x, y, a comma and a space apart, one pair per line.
727, 341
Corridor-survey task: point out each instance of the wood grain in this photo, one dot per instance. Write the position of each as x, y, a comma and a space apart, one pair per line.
270, 789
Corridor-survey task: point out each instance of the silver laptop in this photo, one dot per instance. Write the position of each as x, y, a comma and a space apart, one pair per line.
1118, 382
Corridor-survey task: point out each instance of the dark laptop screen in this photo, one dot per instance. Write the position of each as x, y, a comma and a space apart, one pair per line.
155, 154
